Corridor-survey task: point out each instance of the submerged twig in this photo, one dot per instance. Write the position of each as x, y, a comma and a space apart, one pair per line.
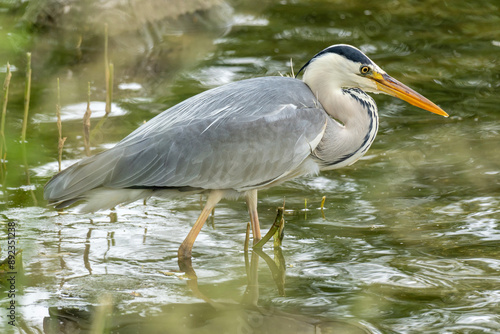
279, 259
27, 93
247, 238
245, 250
27, 172
276, 266
86, 125
61, 140
251, 294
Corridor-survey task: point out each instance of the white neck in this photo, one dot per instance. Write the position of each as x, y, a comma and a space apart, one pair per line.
354, 111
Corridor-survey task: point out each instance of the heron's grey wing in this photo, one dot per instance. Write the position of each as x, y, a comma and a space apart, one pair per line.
234, 136
232, 154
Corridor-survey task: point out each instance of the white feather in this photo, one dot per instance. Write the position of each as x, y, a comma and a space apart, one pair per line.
107, 198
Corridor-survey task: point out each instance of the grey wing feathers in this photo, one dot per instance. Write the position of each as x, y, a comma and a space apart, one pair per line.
235, 155
85, 175
236, 136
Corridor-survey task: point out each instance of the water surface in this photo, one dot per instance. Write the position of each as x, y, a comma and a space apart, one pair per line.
408, 241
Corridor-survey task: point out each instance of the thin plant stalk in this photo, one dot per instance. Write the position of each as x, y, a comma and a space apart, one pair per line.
3, 144
86, 125
323, 199
107, 68
305, 208
108, 74
323, 206
109, 88
61, 140
27, 93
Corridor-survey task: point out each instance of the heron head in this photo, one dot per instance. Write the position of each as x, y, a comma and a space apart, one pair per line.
345, 66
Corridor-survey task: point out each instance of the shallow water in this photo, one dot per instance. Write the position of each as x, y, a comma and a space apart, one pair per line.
408, 241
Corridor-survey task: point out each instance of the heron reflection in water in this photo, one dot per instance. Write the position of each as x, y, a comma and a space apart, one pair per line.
234, 140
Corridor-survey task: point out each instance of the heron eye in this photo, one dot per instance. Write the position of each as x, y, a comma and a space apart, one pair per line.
364, 69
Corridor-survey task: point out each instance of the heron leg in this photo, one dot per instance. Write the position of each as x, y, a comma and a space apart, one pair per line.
186, 247
251, 197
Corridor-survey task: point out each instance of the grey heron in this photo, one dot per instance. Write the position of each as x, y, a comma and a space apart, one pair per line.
239, 138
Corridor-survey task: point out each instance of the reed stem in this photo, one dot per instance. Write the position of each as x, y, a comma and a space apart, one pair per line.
3, 144
108, 68
61, 140
86, 125
323, 207
27, 93
109, 88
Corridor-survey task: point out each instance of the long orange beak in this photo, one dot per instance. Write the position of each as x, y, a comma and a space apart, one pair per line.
389, 85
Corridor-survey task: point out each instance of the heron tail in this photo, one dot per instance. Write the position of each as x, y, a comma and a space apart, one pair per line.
86, 180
